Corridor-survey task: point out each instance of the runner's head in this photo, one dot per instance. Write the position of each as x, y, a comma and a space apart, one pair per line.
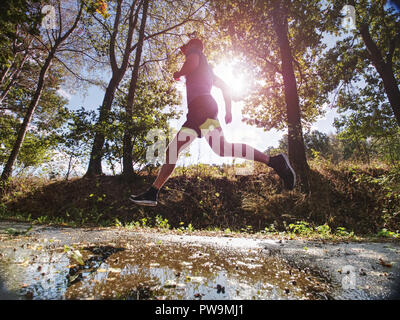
193, 43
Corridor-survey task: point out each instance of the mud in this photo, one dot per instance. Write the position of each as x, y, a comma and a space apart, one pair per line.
112, 263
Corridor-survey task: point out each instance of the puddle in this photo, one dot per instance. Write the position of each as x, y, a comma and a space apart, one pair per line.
137, 268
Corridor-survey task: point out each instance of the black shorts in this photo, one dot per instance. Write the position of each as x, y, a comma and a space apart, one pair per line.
202, 116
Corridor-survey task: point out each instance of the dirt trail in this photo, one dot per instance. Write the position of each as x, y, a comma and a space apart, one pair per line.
115, 263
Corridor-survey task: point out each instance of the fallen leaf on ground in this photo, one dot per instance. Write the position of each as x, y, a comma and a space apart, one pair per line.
197, 279
24, 264
77, 256
153, 265
170, 284
385, 264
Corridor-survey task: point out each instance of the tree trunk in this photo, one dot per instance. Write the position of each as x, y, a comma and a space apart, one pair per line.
392, 90
384, 69
96, 154
69, 168
127, 141
27, 119
296, 149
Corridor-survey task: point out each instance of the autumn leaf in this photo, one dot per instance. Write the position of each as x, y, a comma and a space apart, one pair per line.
102, 9
77, 256
385, 264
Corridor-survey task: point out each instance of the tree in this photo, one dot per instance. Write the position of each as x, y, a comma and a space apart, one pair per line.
295, 134
361, 71
75, 138
127, 144
369, 130
316, 141
369, 54
154, 105
19, 21
14, 15
165, 17
51, 113
11, 72
54, 43
118, 72
282, 41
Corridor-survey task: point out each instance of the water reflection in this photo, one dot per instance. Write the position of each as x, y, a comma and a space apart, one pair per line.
136, 269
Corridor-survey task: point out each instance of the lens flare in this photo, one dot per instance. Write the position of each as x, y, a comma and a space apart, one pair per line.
235, 77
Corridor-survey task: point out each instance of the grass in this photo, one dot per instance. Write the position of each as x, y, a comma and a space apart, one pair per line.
346, 201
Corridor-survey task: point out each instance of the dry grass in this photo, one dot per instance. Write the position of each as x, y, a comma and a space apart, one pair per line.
361, 198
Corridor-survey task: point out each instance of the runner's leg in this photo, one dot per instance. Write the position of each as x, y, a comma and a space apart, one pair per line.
181, 141
223, 148
279, 163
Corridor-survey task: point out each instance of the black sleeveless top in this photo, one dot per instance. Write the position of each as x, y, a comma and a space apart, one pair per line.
199, 82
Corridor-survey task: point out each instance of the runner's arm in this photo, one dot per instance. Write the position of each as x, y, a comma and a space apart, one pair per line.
226, 92
191, 63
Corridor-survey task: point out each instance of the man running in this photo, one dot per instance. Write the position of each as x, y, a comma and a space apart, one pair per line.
202, 121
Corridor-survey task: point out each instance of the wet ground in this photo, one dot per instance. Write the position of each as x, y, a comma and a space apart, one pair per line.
112, 263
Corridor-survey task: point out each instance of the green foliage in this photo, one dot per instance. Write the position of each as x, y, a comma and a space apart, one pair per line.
381, 142
35, 150
345, 200
162, 223
15, 232
143, 222
41, 138
190, 227
384, 233
324, 230
76, 136
154, 106
301, 228
342, 232
305, 229
42, 219
355, 78
270, 229
347, 145
13, 15
3, 209
118, 223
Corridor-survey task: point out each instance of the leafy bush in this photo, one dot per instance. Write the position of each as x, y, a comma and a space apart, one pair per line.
301, 228
387, 234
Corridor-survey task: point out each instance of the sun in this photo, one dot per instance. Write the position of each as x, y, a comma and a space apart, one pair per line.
234, 76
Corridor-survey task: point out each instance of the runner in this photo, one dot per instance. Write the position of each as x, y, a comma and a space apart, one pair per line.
202, 121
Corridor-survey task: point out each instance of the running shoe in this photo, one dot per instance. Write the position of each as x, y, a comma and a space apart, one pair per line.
148, 198
282, 167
